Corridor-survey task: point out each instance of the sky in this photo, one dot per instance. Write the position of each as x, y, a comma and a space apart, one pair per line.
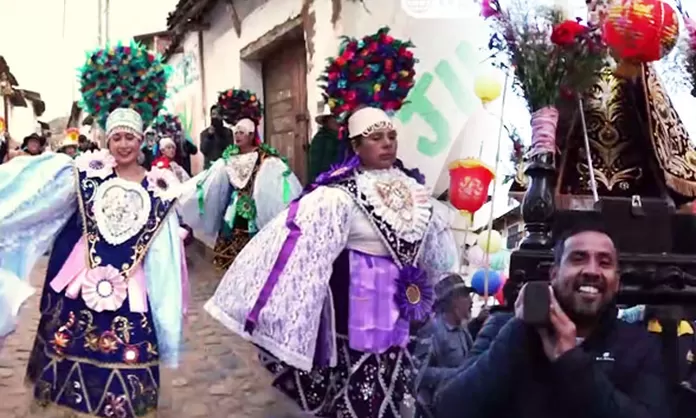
44, 57
49, 53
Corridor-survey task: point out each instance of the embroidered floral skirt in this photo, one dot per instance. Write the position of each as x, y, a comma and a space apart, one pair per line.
362, 385
94, 364
227, 248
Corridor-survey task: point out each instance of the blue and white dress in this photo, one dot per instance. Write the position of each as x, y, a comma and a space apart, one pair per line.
113, 297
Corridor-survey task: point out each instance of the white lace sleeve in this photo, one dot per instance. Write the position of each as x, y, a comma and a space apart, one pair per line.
37, 197
275, 187
203, 199
440, 254
288, 324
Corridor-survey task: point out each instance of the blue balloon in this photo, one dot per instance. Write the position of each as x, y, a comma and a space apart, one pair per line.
478, 282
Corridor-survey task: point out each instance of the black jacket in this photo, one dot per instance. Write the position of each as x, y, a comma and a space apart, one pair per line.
615, 373
183, 155
213, 145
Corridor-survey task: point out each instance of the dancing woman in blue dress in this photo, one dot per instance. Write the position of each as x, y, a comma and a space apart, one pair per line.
112, 301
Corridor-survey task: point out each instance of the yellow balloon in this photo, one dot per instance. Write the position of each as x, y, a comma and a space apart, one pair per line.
490, 243
487, 87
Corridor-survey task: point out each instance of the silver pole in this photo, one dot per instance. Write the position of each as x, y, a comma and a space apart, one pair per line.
107, 32
489, 228
99, 23
593, 182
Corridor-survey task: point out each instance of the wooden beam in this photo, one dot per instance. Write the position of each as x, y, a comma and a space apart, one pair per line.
196, 27
258, 48
236, 22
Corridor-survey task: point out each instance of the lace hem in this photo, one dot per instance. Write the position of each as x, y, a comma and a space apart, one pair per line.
283, 354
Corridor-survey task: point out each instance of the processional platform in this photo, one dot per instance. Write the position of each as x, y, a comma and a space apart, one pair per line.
645, 171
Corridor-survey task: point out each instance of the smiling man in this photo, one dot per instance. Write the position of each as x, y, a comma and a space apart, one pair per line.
584, 363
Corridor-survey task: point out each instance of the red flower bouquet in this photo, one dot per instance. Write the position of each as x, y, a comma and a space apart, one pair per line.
551, 57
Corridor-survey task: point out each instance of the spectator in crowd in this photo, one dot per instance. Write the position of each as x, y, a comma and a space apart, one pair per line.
184, 150
325, 149
167, 151
148, 153
84, 144
33, 144
215, 138
678, 348
445, 340
69, 147
584, 363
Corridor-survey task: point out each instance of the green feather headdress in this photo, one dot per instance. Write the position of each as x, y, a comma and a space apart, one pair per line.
123, 76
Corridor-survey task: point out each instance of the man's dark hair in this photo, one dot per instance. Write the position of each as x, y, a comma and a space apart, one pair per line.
559, 245
213, 107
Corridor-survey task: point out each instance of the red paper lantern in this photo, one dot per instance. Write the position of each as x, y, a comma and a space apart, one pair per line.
469, 181
640, 31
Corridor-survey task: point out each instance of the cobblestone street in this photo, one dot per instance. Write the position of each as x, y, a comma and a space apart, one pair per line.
219, 376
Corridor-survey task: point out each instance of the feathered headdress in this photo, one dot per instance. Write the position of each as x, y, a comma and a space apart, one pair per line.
168, 125
123, 87
376, 71
236, 104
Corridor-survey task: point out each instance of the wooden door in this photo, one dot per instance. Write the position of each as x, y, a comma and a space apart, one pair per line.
285, 93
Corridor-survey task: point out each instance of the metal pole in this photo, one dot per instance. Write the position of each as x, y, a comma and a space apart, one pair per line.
99, 23
107, 32
495, 182
590, 167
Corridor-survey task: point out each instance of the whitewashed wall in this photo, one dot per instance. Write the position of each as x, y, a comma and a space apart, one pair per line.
449, 53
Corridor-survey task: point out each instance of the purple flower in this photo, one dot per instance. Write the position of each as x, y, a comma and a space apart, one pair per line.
414, 294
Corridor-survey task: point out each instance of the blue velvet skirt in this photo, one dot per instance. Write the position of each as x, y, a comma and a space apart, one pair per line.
102, 364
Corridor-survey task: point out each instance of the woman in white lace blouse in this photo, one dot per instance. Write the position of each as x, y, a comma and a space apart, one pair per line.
328, 288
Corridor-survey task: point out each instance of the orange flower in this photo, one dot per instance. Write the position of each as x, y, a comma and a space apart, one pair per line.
108, 342
60, 341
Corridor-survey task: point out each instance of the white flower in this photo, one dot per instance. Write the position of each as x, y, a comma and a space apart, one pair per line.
162, 183
98, 163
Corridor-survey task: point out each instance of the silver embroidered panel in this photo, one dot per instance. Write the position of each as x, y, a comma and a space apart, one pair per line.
240, 168
398, 200
121, 209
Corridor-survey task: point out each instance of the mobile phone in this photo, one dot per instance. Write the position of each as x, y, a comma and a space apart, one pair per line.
536, 302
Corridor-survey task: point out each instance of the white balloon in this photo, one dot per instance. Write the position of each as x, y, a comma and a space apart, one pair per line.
479, 131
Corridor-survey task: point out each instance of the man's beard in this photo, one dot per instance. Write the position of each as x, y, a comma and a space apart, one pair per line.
581, 317
217, 124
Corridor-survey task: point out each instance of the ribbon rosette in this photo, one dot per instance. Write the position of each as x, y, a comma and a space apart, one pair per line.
104, 289
162, 183
414, 294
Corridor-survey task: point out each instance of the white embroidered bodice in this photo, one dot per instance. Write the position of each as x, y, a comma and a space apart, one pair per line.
240, 167
399, 200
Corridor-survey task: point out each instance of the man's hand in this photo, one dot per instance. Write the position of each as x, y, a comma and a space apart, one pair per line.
563, 338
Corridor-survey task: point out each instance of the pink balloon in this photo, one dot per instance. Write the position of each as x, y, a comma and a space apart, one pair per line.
476, 256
